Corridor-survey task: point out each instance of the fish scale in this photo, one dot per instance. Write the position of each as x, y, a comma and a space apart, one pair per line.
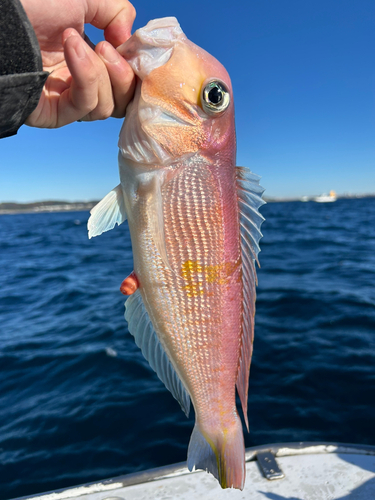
195, 228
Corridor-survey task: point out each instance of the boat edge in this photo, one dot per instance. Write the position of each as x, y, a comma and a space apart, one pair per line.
178, 469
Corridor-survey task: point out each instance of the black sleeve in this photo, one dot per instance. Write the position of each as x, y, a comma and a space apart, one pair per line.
21, 70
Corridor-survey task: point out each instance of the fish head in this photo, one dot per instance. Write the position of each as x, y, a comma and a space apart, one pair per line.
183, 102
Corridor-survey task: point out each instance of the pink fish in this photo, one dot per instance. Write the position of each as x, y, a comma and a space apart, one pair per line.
195, 228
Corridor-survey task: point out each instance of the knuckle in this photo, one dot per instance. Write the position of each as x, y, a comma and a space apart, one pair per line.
101, 112
86, 107
107, 112
123, 85
92, 77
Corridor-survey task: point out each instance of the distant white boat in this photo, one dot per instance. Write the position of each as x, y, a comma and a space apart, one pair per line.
326, 198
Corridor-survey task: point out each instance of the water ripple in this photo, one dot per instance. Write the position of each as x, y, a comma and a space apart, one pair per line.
77, 400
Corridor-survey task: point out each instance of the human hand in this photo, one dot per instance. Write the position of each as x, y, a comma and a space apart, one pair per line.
85, 83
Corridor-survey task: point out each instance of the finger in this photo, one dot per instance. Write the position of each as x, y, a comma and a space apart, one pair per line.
90, 95
115, 17
82, 95
45, 115
121, 76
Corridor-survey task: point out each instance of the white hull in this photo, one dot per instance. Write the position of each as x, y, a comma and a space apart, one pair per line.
324, 471
325, 199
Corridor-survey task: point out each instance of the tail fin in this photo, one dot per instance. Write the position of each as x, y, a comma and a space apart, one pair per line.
222, 454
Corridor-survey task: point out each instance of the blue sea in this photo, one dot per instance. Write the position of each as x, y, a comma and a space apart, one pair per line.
79, 403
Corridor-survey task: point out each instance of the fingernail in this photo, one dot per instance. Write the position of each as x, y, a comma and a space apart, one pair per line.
79, 48
109, 53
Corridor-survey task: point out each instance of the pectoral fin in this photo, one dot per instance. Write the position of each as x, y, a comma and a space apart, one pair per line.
107, 213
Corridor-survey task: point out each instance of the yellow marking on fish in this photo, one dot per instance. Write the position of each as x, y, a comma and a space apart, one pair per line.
220, 458
197, 275
221, 473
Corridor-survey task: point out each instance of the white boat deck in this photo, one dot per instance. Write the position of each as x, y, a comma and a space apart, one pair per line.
311, 472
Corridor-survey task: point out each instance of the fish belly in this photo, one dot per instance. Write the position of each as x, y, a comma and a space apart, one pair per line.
195, 305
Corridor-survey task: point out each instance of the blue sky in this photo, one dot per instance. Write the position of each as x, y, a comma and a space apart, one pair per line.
303, 74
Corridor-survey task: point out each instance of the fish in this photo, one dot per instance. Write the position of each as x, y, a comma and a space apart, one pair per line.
195, 229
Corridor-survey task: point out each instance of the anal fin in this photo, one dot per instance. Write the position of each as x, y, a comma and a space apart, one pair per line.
141, 328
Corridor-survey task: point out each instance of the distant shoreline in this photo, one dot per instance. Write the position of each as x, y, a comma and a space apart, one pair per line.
312, 198
83, 206
46, 207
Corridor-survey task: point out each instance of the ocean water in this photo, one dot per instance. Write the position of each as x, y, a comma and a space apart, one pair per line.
79, 403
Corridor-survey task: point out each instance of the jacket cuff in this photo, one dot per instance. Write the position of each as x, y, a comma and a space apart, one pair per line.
21, 69
20, 95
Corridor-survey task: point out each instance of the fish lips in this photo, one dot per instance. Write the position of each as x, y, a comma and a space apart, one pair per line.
152, 46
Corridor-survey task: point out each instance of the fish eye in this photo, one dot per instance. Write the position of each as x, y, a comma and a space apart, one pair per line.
215, 97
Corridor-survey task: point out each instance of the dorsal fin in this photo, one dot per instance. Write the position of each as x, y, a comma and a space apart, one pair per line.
249, 200
141, 328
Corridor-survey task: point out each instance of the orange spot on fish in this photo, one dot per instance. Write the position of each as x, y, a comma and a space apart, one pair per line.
130, 284
198, 275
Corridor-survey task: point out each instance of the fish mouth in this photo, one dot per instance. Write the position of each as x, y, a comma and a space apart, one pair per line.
152, 46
